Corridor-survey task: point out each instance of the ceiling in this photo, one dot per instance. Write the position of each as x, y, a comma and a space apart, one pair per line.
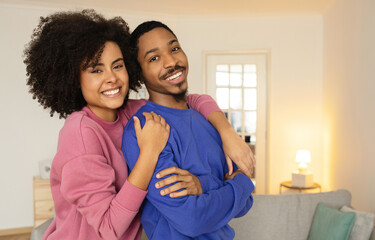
188, 7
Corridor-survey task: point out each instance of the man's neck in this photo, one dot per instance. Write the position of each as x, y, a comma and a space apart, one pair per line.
169, 101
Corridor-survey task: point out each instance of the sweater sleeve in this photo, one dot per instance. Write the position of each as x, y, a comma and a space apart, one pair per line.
192, 215
203, 103
87, 181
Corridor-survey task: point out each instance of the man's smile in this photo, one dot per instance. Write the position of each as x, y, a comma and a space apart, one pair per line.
174, 76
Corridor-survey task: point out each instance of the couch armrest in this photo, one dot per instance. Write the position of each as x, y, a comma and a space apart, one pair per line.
38, 232
373, 234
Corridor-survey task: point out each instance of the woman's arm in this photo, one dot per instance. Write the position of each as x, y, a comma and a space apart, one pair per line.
235, 148
151, 139
87, 181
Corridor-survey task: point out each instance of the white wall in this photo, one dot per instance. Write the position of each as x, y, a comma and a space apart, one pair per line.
29, 135
349, 86
295, 87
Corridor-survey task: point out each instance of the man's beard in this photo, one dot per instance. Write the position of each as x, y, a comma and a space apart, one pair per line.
180, 96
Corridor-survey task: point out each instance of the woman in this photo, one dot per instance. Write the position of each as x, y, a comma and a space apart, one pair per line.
77, 67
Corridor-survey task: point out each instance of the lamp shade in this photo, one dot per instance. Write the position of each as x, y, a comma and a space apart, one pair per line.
303, 156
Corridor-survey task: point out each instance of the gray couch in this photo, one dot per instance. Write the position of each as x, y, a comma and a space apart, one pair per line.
281, 217
285, 217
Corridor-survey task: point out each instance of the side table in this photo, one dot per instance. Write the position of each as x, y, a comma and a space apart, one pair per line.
288, 184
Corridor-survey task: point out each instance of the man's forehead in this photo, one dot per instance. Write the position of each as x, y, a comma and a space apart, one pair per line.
157, 36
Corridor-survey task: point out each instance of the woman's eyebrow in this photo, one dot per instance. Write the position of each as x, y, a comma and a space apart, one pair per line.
102, 64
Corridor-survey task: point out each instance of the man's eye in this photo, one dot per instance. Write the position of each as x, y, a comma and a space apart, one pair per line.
175, 49
154, 59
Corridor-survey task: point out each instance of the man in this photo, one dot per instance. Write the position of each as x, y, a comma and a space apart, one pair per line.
193, 145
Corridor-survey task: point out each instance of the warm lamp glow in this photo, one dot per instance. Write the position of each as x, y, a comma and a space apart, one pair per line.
303, 157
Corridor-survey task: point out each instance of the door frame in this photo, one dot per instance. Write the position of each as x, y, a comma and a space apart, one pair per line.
267, 53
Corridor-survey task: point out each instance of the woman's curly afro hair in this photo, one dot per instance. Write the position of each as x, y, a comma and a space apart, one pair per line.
62, 45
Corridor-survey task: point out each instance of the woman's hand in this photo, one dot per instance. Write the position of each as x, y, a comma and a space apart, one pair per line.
182, 179
234, 146
238, 151
231, 176
154, 135
151, 139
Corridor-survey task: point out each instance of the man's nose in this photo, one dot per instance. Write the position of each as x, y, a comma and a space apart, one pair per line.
169, 61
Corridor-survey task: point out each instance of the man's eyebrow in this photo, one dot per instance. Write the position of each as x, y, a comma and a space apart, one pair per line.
150, 51
155, 49
172, 41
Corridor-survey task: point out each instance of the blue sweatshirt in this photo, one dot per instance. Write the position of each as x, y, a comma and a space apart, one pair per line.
193, 145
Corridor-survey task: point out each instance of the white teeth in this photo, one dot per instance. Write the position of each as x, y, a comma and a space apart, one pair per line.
174, 76
111, 92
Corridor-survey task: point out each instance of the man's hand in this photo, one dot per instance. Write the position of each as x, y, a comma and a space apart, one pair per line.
182, 179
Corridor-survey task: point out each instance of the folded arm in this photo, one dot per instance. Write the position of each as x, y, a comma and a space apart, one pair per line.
193, 215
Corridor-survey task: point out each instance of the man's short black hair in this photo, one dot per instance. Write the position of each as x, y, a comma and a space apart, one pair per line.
146, 27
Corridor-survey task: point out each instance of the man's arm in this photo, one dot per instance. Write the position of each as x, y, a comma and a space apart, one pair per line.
193, 215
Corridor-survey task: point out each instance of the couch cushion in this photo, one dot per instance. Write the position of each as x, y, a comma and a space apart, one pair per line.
285, 216
363, 224
331, 223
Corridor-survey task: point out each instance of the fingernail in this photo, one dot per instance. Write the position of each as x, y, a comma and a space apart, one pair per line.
157, 185
171, 195
162, 192
158, 175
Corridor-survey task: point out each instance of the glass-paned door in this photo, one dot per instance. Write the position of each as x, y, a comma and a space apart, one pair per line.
238, 84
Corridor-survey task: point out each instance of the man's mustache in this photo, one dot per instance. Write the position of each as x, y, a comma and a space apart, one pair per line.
172, 70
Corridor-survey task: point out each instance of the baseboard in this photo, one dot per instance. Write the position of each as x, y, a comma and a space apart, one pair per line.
15, 231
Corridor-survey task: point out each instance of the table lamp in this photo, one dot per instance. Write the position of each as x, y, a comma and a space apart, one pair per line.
302, 178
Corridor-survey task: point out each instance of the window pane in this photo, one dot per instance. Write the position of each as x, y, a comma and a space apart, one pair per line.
222, 68
250, 68
235, 98
236, 121
222, 96
235, 79
250, 99
222, 78
250, 122
236, 68
253, 140
250, 79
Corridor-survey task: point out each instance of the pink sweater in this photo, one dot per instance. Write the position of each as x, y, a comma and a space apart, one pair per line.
92, 197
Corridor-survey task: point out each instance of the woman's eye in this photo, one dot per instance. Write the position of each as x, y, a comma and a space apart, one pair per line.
154, 59
118, 66
96, 71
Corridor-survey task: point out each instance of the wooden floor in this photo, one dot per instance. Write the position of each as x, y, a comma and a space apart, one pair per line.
16, 237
